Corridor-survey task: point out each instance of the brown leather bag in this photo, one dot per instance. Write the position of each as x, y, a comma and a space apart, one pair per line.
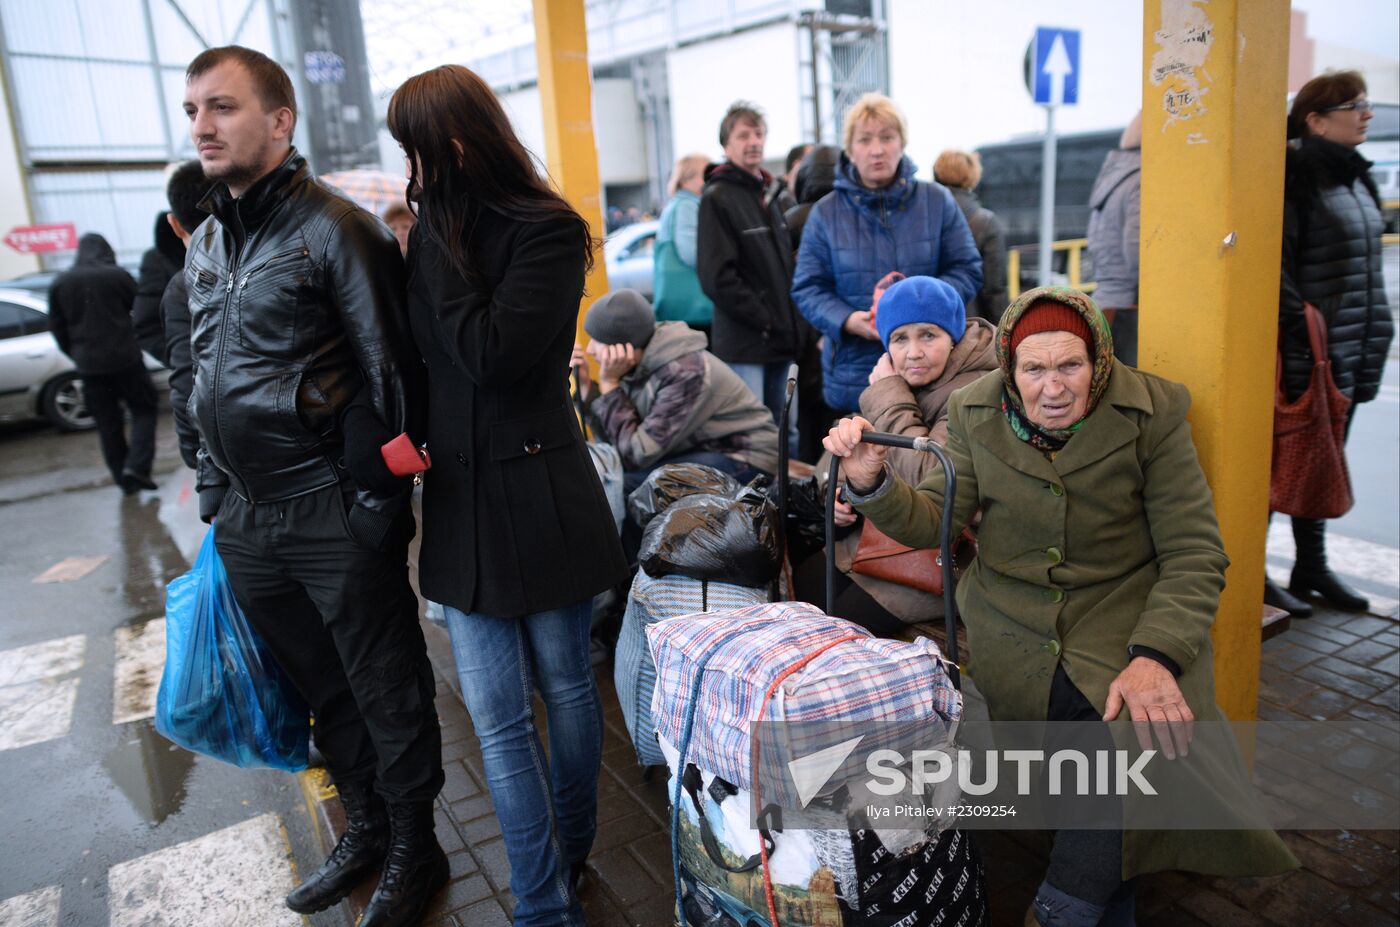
882, 557
1309, 477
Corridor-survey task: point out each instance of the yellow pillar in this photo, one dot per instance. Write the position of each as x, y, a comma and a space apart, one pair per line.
566, 99
1214, 89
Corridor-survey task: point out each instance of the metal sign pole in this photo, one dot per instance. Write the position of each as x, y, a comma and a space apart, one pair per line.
1047, 197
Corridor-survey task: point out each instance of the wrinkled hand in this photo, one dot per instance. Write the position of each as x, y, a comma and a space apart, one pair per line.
884, 369
860, 324
615, 361
860, 463
1155, 704
578, 362
844, 514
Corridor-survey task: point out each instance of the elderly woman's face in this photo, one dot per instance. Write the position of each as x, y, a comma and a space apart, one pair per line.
919, 352
1053, 374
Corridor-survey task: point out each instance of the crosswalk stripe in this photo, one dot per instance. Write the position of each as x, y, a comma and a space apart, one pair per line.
140, 659
36, 712
32, 909
38, 690
44, 660
235, 877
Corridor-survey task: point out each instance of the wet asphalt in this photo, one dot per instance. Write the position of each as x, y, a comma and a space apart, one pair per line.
106, 793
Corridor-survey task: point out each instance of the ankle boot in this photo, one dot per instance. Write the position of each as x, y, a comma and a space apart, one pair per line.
359, 852
1310, 572
1279, 598
414, 871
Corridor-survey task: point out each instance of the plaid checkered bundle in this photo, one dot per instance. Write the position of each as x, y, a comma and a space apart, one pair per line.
655, 599
891, 694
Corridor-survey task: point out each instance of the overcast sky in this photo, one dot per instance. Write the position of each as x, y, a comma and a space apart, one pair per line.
1368, 25
409, 36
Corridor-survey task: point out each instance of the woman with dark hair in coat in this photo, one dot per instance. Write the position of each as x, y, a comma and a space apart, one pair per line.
1332, 226
517, 533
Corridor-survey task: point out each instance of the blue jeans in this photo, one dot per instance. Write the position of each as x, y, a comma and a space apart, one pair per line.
769, 383
548, 816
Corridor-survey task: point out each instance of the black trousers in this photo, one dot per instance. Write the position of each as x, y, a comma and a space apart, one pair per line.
1087, 864
342, 620
105, 395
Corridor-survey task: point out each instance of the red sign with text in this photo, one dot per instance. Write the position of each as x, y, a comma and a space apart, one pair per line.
33, 239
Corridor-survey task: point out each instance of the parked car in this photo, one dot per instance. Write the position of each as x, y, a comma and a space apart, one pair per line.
627, 253
37, 380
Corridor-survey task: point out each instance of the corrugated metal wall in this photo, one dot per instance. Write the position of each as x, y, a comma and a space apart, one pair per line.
96, 89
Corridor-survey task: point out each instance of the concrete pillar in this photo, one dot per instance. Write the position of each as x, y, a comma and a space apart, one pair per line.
566, 102
1214, 84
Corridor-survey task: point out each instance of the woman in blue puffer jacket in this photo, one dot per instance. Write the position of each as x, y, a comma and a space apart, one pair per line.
877, 219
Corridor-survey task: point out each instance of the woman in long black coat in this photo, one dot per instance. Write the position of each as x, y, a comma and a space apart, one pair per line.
1332, 224
517, 533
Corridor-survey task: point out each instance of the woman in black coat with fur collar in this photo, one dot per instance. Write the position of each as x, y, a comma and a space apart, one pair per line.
517, 533
1331, 258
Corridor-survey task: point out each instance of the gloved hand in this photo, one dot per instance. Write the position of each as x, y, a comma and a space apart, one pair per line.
364, 435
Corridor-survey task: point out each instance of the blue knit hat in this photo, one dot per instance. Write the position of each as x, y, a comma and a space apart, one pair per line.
921, 299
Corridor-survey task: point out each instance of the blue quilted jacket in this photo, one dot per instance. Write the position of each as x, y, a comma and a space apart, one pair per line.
855, 236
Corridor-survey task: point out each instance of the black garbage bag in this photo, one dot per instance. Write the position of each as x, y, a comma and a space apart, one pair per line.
730, 538
675, 481
806, 517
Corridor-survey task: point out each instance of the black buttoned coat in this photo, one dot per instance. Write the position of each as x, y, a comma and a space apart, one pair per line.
515, 520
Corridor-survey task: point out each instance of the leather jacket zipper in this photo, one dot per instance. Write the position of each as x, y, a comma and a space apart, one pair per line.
248, 274
223, 334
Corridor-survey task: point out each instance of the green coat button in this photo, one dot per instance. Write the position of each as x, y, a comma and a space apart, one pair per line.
1053, 647
1056, 555
1055, 595
1056, 489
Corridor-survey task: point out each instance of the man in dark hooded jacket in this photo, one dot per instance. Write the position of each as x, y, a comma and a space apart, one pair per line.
816, 177
90, 316
158, 266
185, 188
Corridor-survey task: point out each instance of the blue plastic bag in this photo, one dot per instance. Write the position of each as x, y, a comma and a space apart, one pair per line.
222, 693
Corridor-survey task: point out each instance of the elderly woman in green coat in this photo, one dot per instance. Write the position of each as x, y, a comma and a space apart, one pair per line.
1098, 575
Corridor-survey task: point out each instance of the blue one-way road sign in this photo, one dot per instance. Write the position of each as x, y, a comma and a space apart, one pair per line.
1055, 66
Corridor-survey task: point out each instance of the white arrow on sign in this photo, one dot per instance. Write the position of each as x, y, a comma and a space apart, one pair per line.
1058, 67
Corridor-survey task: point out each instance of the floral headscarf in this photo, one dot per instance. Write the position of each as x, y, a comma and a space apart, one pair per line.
1050, 440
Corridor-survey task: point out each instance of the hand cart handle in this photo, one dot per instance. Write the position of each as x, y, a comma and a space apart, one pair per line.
950, 487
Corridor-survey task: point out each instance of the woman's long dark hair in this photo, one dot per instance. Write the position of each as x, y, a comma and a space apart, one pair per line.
464, 155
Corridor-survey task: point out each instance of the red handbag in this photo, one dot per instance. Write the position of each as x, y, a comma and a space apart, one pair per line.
1309, 477
882, 557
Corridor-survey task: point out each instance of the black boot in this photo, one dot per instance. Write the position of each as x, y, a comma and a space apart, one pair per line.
414, 871
1278, 598
1310, 573
358, 854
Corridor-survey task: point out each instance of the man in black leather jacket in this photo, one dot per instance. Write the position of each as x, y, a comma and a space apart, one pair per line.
303, 374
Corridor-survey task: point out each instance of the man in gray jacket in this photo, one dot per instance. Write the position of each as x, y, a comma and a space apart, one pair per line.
1114, 215
662, 398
